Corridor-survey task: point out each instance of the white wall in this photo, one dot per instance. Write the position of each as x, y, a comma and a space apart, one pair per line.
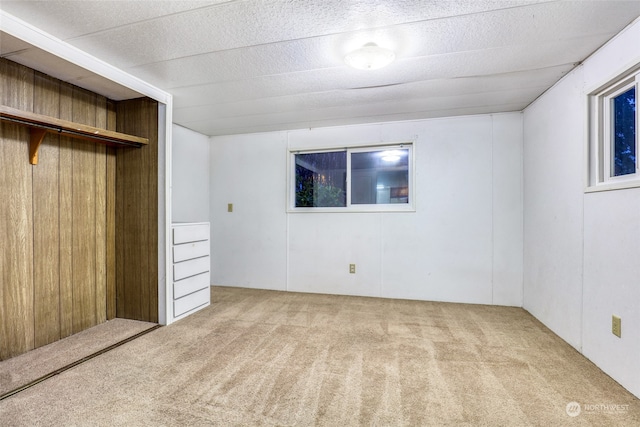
248, 245
463, 243
553, 196
190, 176
582, 251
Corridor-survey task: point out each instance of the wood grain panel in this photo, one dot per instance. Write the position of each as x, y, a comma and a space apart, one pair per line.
101, 215
17, 85
135, 201
84, 216
137, 213
16, 216
145, 217
120, 229
111, 217
46, 230
16, 246
65, 196
152, 210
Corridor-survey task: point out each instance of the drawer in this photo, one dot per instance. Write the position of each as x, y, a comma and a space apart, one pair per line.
190, 302
190, 285
190, 268
190, 233
187, 251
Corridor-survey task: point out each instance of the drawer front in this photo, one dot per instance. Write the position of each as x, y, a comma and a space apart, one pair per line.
190, 285
190, 302
190, 233
190, 268
190, 250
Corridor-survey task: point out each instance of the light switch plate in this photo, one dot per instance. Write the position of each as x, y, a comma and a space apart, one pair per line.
616, 326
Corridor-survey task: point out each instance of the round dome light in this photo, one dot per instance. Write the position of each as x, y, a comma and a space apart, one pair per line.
370, 57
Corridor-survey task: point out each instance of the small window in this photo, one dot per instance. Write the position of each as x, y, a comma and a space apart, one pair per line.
380, 177
613, 131
362, 179
623, 133
321, 180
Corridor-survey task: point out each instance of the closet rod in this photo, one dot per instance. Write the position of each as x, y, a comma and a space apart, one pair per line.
70, 132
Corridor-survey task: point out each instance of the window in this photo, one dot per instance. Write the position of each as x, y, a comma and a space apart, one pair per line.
614, 146
622, 132
321, 180
363, 179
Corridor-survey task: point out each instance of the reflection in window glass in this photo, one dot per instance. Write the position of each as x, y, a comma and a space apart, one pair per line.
624, 133
321, 179
380, 177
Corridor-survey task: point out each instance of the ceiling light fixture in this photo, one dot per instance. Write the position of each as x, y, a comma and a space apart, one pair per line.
370, 57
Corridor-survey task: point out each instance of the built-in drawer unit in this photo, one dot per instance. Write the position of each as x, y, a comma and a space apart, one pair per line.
191, 265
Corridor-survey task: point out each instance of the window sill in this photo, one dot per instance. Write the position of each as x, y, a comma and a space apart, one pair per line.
611, 186
360, 209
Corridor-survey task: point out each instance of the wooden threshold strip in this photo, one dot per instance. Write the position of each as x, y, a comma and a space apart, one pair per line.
39, 125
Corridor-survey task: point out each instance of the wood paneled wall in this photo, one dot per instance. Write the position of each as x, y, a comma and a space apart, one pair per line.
66, 264
137, 213
54, 267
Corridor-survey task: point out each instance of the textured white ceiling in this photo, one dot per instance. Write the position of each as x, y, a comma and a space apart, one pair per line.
252, 66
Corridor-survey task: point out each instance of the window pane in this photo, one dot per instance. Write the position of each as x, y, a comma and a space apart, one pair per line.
321, 180
380, 177
624, 133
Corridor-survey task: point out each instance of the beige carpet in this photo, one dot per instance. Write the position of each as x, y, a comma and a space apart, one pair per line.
287, 359
22, 370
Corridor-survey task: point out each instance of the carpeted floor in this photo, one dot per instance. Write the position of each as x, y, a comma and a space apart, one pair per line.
288, 359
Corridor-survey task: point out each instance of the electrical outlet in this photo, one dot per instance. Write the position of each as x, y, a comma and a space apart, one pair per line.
616, 326
352, 268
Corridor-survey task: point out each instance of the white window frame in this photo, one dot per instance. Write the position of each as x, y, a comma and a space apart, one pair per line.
600, 142
389, 207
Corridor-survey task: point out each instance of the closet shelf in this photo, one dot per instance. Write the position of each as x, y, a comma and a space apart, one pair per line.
39, 125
